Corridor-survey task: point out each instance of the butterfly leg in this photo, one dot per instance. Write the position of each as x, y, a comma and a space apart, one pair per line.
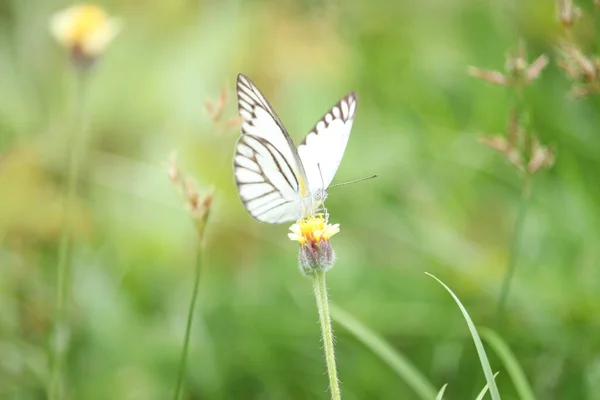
323, 211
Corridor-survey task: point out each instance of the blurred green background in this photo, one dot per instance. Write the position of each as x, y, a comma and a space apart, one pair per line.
442, 203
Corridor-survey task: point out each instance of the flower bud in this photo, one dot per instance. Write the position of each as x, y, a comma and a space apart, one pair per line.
314, 257
316, 253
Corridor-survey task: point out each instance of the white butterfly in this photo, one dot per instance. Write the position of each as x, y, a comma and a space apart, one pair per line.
276, 181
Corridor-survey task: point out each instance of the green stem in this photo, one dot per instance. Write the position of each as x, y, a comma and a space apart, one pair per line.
512, 261
325, 320
75, 148
190, 320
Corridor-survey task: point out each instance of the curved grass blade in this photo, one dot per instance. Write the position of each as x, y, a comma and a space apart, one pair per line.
483, 359
440, 395
517, 376
392, 357
485, 389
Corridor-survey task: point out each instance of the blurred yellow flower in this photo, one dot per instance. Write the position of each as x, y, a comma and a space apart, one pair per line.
85, 30
312, 230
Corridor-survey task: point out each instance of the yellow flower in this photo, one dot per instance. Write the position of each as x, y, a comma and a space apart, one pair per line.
85, 30
312, 230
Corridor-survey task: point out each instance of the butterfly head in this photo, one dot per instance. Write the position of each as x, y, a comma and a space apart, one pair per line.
318, 200
319, 196
314, 201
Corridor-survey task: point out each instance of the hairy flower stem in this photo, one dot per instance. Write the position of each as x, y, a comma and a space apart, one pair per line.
190, 321
320, 288
75, 148
512, 261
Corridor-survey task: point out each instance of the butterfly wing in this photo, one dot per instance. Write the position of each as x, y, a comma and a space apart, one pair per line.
322, 150
269, 174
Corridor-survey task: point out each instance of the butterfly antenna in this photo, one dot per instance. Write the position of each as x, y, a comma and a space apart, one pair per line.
354, 181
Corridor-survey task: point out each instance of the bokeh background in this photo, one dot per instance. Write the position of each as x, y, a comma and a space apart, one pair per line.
443, 203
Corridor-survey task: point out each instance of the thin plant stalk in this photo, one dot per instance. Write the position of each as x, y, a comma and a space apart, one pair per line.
75, 149
320, 289
514, 249
524, 120
190, 321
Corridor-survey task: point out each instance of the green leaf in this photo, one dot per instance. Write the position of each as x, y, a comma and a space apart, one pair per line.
440, 395
483, 359
510, 362
485, 389
392, 357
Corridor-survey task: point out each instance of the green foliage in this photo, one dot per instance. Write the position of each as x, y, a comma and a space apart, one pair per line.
396, 360
440, 394
510, 362
485, 389
483, 359
442, 202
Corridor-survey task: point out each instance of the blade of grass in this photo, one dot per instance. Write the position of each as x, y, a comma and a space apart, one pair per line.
517, 376
485, 389
483, 359
392, 357
440, 395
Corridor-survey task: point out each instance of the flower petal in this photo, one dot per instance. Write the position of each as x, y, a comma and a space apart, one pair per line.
97, 41
331, 230
296, 229
312, 230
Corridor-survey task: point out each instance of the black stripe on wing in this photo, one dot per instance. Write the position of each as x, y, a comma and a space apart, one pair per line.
250, 100
253, 146
345, 109
283, 165
250, 97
